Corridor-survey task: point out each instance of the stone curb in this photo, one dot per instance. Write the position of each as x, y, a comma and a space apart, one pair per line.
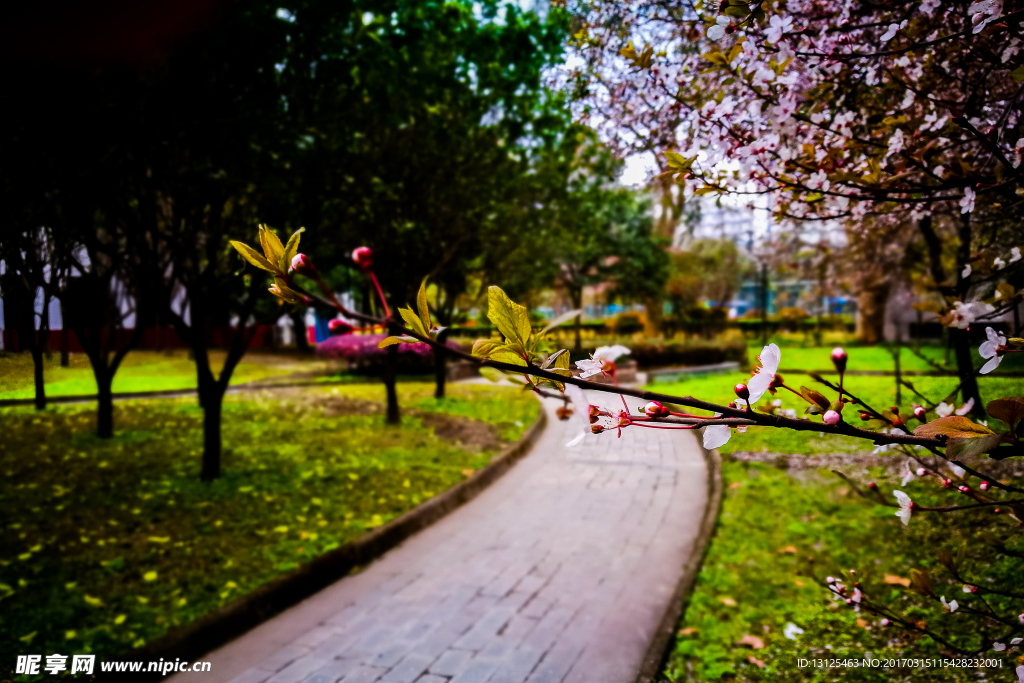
658, 651
191, 641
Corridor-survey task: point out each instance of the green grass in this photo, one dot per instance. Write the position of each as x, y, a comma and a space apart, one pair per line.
800, 357
140, 371
108, 544
779, 537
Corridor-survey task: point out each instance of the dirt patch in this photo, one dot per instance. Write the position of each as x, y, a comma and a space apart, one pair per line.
471, 435
338, 406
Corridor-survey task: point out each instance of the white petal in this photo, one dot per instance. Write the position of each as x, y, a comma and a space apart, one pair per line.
758, 385
953, 605
716, 436
576, 440
998, 647
990, 366
771, 356
987, 349
1016, 641
610, 353
966, 408
992, 336
901, 498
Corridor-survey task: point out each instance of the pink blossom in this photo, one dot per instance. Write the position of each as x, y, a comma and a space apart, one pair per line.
906, 506
890, 32
990, 350
967, 203
770, 358
778, 27
966, 408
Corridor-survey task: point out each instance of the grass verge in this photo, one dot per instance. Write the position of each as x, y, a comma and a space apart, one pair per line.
109, 544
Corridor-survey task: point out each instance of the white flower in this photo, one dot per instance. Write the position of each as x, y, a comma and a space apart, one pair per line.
718, 30
763, 77
905, 505
1020, 673
966, 408
786, 412
589, 368
896, 142
943, 410
965, 314
610, 353
857, 596
956, 470
998, 647
967, 203
890, 32
999, 263
984, 11
777, 403
908, 475
929, 6
966, 272
778, 27
792, 631
1016, 641
770, 357
950, 606
1015, 255
988, 349
819, 180
716, 436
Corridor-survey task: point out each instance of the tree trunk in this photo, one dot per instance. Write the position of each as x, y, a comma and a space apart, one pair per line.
212, 401
440, 366
65, 359
655, 311
961, 343
871, 304
390, 381
105, 406
299, 327
577, 304
37, 362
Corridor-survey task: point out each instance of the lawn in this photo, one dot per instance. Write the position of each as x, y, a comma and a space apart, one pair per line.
140, 371
780, 534
107, 545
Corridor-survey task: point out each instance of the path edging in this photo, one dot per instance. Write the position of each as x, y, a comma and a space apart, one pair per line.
191, 641
658, 651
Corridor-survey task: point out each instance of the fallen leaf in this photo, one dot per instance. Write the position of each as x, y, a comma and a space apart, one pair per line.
727, 601
788, 549
862, 623
688, 631
798, 582
752, 641
894, 580
468, 472
736, 484
754, 660
843, 491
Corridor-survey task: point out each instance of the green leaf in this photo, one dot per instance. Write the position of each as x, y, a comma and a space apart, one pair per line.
511, 319
960, 447
253, 256
421, 304
391, 341
492, 374
555, 358
292, 248
1018, 73
483, 348
412, 321
812, 396
272, 247
284, 292
561, 320
953, 426
921, 580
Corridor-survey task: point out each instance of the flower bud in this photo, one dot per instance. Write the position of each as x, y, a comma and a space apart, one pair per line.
947, 483
655, 409
849, 601
920, 471
337, 326
839, 358
302, 264
1020, 618
742, 391
919, 412
732, 404
984, 486
977, 18
865, 416
830, 579
363, 257
964, 489
776, 381
831, 417
885, 622
596, 429
970, 589
873, 486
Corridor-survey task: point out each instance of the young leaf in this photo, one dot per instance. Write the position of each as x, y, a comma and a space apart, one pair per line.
561, 320
492, 374
554, 357
812, 396
421, 304
253, 256
482, 348
272, 247
953, 426
511, 319
412, 321
284, 292
292, 248
922, 581
391, 341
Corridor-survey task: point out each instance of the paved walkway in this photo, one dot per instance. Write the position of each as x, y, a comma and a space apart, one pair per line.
560, 571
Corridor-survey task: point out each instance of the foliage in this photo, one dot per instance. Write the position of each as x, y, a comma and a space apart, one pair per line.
108, 544
704, 270
757, 577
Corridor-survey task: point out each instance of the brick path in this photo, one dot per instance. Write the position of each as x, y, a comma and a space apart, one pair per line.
560, 571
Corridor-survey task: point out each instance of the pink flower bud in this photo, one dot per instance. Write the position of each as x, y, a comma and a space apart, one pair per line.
1020, 618
655, 409
919, 412
339, 327
872, 486
964, 489
849, 601
885, 622
977, 18
363, 257
984, 486
302, 264
865, 416
921, 471
946, 483
839, 358
830, 579
970, 589
742, 391
831, 417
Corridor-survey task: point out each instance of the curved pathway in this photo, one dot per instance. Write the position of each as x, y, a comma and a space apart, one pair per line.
560, 571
